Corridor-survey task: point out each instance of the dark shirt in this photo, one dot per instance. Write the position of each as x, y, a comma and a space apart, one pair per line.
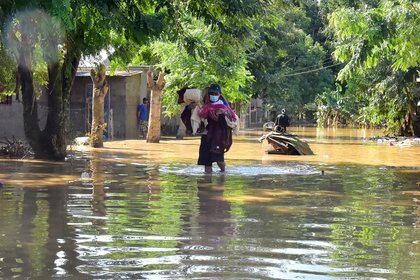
219, 135
283, 120
144, 112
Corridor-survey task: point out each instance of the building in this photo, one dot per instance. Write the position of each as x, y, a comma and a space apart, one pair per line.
127, 89
255, 115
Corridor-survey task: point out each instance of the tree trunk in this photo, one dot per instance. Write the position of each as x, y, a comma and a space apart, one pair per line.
153, 132
405, 129
415, 118
100, 89
414, 113
335, 119
54, 133
30, 107
49, 143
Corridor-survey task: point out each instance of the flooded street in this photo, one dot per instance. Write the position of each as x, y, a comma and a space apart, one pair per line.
145, 211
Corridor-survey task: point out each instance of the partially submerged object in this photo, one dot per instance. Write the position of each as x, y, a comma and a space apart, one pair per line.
397, 141
286, 144
80, 141
14, 148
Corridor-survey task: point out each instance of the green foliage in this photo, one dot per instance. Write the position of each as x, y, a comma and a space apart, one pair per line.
248, 56
7, 70
282, 51
365, 37
217, 59
209, 48
381, 48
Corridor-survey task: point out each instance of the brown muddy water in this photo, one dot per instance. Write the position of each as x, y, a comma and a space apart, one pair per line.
144, 211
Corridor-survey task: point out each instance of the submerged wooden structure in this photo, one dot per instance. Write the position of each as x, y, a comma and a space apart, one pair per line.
286, 144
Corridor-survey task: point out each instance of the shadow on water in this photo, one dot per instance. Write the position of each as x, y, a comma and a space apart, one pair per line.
114, 219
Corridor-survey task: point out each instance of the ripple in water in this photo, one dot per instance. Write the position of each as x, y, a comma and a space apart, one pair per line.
244, 170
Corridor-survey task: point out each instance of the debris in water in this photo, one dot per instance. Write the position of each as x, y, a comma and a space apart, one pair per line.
81, 141
85, 176
397, 141
286, 144
14, 148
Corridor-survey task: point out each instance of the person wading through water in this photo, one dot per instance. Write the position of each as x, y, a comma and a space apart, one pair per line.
282, 121
216, 139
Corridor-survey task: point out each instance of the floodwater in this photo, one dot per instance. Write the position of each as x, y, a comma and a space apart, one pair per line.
144, 211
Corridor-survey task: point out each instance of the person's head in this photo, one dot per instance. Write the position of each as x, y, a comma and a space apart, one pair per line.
145, 100
214, 92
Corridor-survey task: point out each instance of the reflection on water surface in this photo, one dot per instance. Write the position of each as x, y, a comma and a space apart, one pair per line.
112, 215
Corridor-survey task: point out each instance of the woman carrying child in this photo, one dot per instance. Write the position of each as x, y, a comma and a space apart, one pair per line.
216, 139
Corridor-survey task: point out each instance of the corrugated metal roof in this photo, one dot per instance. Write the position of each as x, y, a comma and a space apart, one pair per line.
84, 73
132, 70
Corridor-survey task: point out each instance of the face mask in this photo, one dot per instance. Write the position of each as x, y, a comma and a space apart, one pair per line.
214, 98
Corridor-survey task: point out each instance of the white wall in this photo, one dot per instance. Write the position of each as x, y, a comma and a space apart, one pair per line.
11, 119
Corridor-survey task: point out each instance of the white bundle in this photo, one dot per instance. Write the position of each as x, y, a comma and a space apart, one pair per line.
193, 95
195, 120
233, 124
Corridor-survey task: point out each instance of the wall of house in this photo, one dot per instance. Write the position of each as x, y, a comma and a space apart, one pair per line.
11, 119
79, 124
118, 105
134, 95
255, 116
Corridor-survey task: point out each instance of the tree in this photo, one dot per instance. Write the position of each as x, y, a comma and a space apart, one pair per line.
59, 40
100, 90
65, 31
207, 55
153, 132
247, 64
381, 43
286, 62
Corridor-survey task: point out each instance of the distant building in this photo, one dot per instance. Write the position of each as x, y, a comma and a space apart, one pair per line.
255, 115
127, 89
